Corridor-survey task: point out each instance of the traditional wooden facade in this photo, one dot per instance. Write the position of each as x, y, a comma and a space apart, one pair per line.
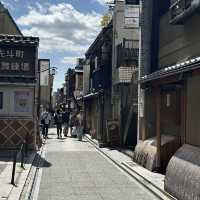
97, 98
18, 90
169, 110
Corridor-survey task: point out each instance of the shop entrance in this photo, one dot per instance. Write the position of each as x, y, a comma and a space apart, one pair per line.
170, 121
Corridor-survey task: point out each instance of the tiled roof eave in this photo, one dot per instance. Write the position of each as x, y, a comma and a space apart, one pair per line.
170, 71
91, 96
18, 39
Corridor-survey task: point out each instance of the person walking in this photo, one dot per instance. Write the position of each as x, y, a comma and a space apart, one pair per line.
66, 114
58, 122
45, 121
79, 126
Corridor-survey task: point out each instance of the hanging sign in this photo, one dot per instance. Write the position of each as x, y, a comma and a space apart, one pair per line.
44, 66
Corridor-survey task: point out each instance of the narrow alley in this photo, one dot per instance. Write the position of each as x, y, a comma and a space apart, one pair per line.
75, 170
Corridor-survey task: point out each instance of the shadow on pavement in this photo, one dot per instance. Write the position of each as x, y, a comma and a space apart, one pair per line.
41, 162
7, 156
45, 163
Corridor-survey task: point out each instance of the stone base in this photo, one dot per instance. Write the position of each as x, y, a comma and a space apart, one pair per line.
182, 178
145, 152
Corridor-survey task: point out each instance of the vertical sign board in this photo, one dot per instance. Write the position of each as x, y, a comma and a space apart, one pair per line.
131, 16
44, 66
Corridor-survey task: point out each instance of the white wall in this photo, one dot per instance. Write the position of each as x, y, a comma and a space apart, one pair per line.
11, 104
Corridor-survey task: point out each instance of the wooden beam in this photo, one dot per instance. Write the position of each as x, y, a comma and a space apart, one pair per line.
183, 113
158, 132
196, 72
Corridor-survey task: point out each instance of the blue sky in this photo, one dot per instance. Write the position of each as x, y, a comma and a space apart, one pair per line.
66, 28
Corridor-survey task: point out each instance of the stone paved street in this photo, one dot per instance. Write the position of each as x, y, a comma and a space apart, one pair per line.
74, 170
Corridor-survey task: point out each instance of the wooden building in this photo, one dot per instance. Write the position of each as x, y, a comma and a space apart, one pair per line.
97, 93
18, 84
73, 89
18, 90
169, 98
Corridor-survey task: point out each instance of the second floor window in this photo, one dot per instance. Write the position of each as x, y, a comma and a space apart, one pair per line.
128, 53
134, 2
130, 44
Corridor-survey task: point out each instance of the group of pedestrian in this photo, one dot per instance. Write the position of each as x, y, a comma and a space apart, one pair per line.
65, 122
76, 126
62, 118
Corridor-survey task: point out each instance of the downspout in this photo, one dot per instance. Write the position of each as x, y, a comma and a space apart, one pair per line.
139, 74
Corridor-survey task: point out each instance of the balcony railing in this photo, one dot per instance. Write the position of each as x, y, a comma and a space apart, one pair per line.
127, 56
181, 10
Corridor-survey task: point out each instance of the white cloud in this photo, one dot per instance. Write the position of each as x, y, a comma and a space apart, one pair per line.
61, 27
69, 60
103, 2
7, 5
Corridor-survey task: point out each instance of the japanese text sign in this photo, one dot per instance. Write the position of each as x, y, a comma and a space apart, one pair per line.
17, 60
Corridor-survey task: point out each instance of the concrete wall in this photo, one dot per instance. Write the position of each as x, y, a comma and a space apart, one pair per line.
193, 111
178, 42
120, 32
